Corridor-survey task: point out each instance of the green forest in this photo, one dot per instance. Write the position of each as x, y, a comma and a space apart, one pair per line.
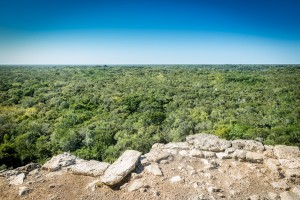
97, 112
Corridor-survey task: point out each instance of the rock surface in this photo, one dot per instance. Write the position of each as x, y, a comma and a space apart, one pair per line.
178, 170
125, 164
208, 142
89, 168
59, 161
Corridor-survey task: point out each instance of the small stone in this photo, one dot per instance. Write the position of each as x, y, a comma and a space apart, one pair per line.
51, 186
154, 169
254, 157
183, 153
209, 154
196, 153
239, 155
92, 186
24, 191
137, 184
176, 179
213, 189
18, 180
280, 185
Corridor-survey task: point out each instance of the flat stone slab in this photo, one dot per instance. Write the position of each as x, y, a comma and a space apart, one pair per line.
125, 164
248, 145
59, 161
208, 142
286, 152
18, 180
89, 168
154, 169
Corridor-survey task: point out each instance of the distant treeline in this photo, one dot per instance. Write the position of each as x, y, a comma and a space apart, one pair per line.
96, 112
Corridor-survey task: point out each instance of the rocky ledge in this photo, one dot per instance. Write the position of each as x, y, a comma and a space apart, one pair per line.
203, 167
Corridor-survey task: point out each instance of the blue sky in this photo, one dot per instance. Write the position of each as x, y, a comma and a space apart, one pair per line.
149, 32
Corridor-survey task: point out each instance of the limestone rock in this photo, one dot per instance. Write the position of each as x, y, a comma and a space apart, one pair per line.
18, 180
269, 153
92, 186
254, 157
137, 184
280, 185
158, 153
272, 164
248, 145
239, 154
223, 155
288, 196
209, 154
125, 164
59, 161
24, 190
154, 169
89, 168
273, 196
290, 163
293, 174
286, 152
28, 168
208, 142
177, 145
196, 153
176, 179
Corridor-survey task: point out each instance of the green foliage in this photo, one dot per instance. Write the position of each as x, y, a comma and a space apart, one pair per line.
97, 112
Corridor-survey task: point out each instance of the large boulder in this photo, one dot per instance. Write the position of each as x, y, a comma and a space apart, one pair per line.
248, 145
59, 161
208, 142
125, 164
286, 152
89, 168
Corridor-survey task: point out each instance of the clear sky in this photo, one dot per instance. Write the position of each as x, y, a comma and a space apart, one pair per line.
149, 32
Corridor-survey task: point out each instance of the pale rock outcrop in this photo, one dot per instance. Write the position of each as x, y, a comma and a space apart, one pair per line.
290, 163
239, 154
280, 185
176, 179
248, 145
137, 184
24, 190
18, 180
89, 168
158, 153
154, 169
272, 164
208, 142
125, 164
254, 157
28, 168
286, 152
59, 161
177, 145
196, 153
209, 154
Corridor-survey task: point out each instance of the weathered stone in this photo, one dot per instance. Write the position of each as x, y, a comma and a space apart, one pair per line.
290, 163
125, 164
177, 145
248, 145
272, 164
24, 190
18, 180
209, 154
212, 165
208, 142
92, 186
196, 153
293, 174
176, 179
287, 195
157, 153
28, 168
273, 196
296, 190
212, 189
59, 161
286, 152
183, 153
254, 157
269, 153
223, 155
239, 154
89, 168
137, 184
154, 169
280, 185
